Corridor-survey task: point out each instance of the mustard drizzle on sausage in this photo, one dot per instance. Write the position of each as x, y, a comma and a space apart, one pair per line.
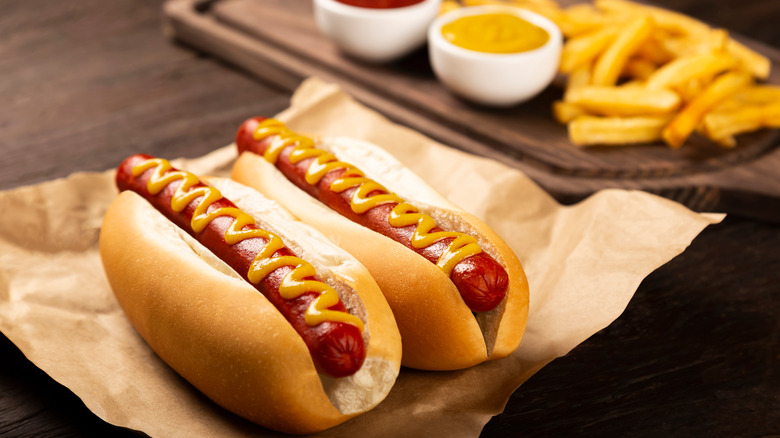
294, 283
368, 193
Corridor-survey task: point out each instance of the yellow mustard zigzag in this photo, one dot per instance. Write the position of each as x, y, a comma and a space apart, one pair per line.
294, 283
368, 194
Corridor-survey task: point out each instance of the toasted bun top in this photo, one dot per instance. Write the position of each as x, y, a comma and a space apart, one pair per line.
225, 337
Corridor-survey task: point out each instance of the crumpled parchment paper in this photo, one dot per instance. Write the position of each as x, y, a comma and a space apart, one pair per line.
584, 263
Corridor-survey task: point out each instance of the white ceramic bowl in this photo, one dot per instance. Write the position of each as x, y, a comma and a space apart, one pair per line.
494, 79
375, 35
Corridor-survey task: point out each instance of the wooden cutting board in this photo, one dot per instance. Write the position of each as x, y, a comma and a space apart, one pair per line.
278, 41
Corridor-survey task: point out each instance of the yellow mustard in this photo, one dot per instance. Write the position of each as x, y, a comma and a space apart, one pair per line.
368, 193
495, 33
294, 283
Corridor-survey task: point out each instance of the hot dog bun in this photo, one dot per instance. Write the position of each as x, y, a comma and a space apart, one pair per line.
438, 330
223, 336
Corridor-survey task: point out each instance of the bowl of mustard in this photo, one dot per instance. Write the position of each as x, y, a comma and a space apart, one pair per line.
494, 55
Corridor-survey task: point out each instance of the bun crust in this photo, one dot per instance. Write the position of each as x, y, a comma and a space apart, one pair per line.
225, 337
438, 330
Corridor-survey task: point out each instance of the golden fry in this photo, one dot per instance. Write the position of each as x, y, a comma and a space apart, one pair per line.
689, 68
688, 91
680, 46
582, 50
754, 95
772, 115
565, 112
580, 19
610, 64
589, 130
653, 51
624, 101
717, 40
727, 105
674, 22
579, 77
759, 94
683, 124
548, 9
745, 119
758, 65
726, 142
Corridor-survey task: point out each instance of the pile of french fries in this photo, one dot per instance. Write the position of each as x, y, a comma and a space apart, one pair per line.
642, 74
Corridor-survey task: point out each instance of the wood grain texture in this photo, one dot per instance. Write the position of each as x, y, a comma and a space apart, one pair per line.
87, 82
278, 41
707, 323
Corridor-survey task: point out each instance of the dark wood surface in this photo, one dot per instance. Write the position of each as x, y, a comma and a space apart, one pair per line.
701, 175
87, 82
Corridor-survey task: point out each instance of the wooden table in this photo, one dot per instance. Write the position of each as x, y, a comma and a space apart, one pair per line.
87, 82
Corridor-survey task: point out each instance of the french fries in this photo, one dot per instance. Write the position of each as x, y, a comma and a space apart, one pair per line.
689, 68
584, 50
753, 108
757, 64
760, 94
683, 124
565, 112
673, 22
623, 101
643, 74
586, 130
607, 69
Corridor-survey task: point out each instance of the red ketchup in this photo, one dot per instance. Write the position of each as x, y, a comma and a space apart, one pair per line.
380, 4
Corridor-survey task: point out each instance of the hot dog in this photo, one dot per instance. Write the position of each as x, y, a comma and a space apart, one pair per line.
225, 300
461, 255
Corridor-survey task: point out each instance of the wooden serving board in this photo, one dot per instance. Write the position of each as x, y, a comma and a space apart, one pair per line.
279, 42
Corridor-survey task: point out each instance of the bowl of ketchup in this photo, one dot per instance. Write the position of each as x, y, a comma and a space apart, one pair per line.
376, 31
